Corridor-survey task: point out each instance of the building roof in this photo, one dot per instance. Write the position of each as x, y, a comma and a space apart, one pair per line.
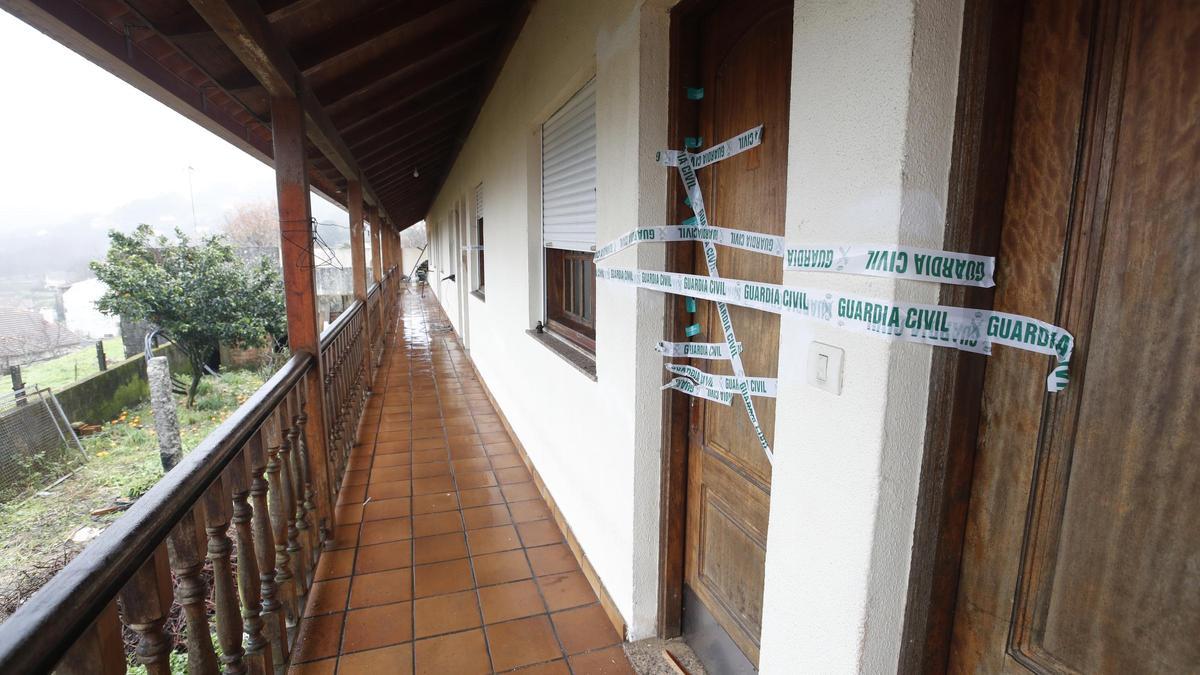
23, 333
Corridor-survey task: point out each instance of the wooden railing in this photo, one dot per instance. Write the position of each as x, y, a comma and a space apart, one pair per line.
374, 302
252, 472
344, 362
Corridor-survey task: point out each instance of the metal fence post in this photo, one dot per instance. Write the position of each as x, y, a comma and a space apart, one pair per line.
18, 385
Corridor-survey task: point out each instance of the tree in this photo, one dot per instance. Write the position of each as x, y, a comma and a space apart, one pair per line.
200, 295
253, 224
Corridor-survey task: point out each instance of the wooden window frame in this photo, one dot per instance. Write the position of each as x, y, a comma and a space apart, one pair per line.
560, 311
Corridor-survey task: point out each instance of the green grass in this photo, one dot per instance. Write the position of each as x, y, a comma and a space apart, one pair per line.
59, 372
123, 462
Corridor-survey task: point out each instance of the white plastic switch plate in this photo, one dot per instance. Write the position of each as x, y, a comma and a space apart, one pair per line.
825, 367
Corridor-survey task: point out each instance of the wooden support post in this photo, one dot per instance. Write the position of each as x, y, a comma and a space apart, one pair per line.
358, 266
376, 244
295, 228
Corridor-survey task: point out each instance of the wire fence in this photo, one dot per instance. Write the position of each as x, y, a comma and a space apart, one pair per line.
37, 444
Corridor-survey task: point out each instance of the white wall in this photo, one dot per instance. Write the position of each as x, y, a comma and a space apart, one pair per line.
873, 93
79, 304
595, 443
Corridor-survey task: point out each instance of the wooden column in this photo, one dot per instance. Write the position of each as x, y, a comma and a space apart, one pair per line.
358, 266
295, 228
393, 251
358, 249
376, 244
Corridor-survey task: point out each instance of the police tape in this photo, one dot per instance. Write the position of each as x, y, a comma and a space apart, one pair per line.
973, 330
877, 260
724, 150
687, 173
769, 244
691, 388
759, 386
696, 350
883, 260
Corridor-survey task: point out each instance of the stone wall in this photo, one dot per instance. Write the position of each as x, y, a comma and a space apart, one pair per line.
103, 396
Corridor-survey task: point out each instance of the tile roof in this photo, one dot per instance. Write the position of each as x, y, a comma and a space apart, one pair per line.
24, 332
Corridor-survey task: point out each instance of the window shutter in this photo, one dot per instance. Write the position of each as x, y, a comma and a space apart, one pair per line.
569, 174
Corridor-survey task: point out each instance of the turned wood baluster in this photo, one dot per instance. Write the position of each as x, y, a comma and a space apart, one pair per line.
335, 432
99, 651
287, 479
299, 455
264, 548
146, 601
186, 548
280, 496
301, 561
217, 503
258, 657
317, 532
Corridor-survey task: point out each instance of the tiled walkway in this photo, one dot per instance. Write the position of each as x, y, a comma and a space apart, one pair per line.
447, 558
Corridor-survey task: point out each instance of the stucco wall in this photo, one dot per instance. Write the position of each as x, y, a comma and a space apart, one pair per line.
585, 437
873, 93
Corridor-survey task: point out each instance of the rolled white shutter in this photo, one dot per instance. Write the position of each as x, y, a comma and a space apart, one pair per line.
569, 174
478, 202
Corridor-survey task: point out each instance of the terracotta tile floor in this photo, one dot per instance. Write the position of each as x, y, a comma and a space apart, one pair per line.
447, 559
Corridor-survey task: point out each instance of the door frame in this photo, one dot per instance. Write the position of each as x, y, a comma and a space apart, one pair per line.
684, 70
684, 67
990, 49
978, 181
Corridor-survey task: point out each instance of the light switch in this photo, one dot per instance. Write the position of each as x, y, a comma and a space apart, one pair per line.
825, 367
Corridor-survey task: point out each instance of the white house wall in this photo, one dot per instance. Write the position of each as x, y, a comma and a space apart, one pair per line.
873, 94
585, 437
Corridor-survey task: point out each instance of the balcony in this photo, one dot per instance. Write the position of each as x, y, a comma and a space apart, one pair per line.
438, 554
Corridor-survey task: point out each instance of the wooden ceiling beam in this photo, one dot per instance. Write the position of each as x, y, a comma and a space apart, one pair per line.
281, 9
515, 26
396, 64
246, 31
421, 132
448, 94
459, 70
416, 156
380, 24
182, 24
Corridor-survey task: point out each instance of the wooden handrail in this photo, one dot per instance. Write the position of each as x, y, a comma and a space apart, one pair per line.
339, 324
47, 626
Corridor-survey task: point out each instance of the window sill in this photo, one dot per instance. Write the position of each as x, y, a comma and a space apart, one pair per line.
580, 361
477, 293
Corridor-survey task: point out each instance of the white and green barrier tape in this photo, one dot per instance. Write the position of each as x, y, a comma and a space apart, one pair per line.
736, 145
687, 165
973, 330
876, 260
691, 388
695, 350
759, 386
902, 262
750, 241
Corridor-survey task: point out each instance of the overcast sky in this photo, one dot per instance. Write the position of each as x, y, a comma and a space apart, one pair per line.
83, 149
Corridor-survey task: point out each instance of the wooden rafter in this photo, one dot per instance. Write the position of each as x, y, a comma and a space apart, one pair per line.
246, 31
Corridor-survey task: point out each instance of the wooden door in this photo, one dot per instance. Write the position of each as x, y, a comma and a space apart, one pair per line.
745, 66
1082, 548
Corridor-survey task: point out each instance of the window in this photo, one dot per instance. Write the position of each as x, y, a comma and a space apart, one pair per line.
477, 243
569, 218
